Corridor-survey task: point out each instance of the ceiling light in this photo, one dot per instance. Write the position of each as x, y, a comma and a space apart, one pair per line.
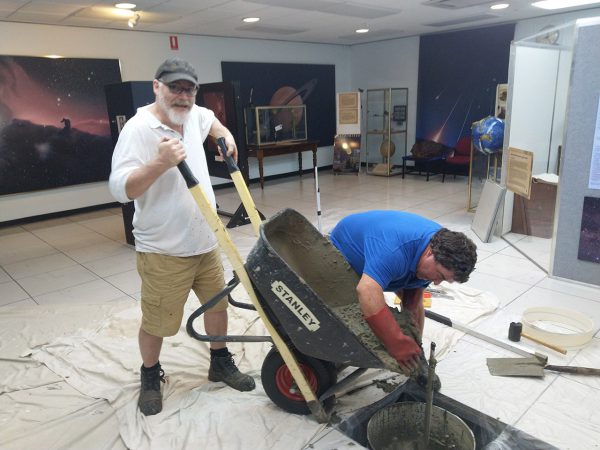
559, 4
125, 5
124, 12
132, 23
500, 6
54, 56
251, 19
362, 30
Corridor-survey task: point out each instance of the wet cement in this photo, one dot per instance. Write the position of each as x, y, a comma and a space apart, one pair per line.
322, 267
401, 427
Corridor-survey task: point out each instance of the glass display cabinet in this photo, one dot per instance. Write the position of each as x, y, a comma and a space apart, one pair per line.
387, 113
273, 124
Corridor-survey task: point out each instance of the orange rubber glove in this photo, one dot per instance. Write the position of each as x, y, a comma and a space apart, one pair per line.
403, 348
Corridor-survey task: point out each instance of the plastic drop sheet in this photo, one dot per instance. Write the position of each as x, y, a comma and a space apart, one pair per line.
70, 379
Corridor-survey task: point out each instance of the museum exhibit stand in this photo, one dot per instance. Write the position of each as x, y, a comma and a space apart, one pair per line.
386, 130
277, 130
552, 113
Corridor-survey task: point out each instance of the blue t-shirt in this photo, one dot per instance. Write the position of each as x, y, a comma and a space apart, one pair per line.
386, 245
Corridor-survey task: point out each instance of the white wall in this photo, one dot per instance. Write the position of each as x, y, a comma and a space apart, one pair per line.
391, 63
530, 27
388, 64
140, 53
532, 105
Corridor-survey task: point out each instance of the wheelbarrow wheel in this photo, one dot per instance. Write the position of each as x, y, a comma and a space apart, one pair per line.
279, 384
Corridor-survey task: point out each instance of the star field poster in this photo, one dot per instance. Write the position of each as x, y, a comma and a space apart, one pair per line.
458, 76
274, 84
589, 238
54, 128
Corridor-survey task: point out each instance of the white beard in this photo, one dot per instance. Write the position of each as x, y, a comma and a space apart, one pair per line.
176, 117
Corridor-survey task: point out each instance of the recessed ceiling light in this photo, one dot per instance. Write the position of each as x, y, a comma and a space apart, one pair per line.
559, 4
251, 19
362, 30
125, 5
500, 6
124, 12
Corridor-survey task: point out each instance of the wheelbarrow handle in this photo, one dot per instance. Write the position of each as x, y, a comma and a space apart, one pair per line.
188, 176
231, 164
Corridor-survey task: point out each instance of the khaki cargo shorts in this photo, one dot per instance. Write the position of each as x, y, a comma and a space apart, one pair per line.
166, 284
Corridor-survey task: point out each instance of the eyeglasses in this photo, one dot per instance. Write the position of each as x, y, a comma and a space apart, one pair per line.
177, 89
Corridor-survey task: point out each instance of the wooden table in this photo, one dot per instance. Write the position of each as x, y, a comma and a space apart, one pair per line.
281, 148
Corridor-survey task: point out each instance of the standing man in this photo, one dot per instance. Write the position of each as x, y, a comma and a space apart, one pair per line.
176, 249
400, 252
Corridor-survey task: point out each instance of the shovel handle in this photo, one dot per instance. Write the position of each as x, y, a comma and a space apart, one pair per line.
574, 369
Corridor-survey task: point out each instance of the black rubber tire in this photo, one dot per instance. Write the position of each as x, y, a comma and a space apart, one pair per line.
275, 377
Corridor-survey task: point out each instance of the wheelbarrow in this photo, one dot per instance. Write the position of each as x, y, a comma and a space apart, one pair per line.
304, 291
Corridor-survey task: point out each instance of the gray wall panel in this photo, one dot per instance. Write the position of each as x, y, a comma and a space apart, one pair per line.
577, 154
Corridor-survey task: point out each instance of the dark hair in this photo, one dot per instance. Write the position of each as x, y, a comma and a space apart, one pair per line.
455, 251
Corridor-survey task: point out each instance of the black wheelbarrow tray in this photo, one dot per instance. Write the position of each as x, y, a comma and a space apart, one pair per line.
308, 292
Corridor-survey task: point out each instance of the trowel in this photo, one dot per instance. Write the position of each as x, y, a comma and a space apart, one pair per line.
532, 367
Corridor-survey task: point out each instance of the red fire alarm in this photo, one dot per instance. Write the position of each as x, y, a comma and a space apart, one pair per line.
173, 42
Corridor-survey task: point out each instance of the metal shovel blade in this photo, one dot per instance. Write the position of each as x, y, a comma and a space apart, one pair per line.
516, 367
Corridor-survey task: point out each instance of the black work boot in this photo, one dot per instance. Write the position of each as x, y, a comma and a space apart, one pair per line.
150, 401
222, 368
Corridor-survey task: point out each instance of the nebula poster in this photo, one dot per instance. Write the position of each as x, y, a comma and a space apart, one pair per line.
458, 76
54, 128
589, 238
272, 84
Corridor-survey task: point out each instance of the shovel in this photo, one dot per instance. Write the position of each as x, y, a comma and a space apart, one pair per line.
531, 367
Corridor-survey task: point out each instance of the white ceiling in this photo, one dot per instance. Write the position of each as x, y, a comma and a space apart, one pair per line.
319, 21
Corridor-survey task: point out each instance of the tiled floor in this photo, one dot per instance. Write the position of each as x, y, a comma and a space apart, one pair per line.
83, 259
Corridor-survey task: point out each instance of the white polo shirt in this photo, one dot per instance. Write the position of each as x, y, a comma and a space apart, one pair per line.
167, 219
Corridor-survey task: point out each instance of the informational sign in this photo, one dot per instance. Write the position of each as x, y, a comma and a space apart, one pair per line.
348, 113
594, 181
518, 177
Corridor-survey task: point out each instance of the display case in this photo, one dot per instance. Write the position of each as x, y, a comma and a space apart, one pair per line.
272, 124
387, 111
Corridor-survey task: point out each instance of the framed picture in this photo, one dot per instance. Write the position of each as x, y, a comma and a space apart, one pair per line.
223, 99
501, 99
399, 114
589, 236
54, 125
348, 100
273, 84
348, 116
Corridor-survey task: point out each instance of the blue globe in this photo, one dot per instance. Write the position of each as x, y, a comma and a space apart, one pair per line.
488, 135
